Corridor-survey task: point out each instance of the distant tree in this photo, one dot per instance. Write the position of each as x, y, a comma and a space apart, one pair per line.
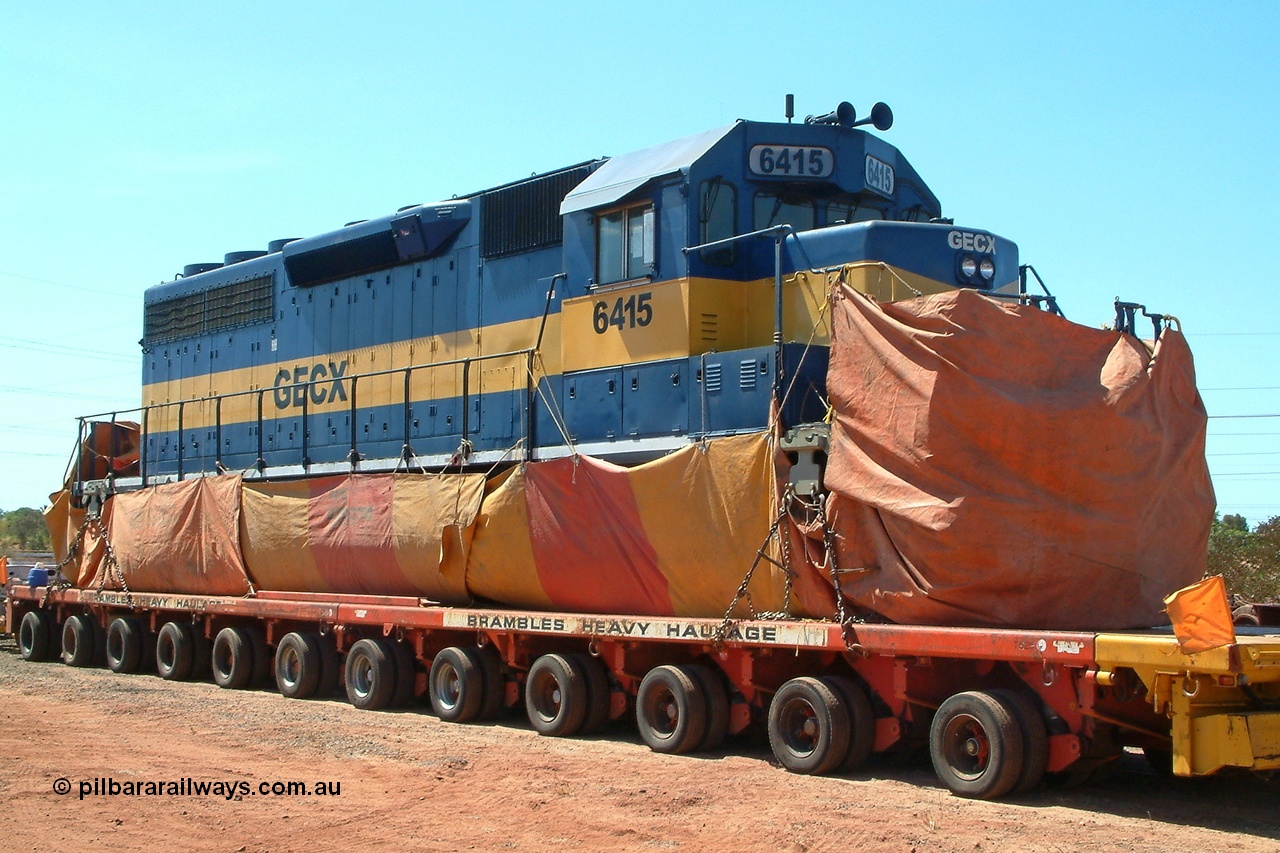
1236, 522
24, 529
1248, 561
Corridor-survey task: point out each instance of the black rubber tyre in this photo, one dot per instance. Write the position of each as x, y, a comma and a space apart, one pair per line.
555, 696
330, 667
1035, 737
862, 721
175, 648
406, 674
370, 674
976, 746
1246, 616
298, 664
598, 693
1159, 760
126, 640
457, 684
35, 636
808, 726
78, 641
671, 710
233, 658
493, 671
717, 695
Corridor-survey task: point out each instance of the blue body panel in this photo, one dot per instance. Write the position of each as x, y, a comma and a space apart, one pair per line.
433, 271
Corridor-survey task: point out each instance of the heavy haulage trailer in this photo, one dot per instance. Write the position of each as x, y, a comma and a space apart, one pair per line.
998, 708
522, 446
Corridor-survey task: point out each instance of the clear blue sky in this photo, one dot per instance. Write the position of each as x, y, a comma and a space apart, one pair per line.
1129, 149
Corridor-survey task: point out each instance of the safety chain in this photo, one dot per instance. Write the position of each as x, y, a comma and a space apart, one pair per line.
109, 559
829, 547
721, 632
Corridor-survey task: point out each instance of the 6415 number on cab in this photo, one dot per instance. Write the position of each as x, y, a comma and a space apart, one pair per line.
625, 313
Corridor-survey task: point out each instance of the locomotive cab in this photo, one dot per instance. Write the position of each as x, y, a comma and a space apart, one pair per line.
674, 256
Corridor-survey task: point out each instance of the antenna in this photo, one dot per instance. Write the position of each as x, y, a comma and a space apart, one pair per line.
791, 108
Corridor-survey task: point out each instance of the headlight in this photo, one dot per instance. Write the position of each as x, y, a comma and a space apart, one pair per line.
987, 268
968, 267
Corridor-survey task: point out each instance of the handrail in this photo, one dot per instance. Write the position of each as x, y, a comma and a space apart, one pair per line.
407, 453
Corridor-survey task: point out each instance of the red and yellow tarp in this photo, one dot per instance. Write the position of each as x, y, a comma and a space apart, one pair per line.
673, 537
388, 534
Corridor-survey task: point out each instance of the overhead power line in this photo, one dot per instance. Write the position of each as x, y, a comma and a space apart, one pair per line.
63, 349
102, 291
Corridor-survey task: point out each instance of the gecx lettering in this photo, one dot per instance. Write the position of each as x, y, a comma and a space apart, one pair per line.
321, 381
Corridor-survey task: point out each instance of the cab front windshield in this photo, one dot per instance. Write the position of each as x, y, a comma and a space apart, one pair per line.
804, 212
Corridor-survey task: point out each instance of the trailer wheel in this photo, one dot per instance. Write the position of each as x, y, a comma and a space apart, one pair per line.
808, 726
976, 746
671, 710
495, 683
370, 674
175, 650
78, 641
457, 684
555, 696
125, 640
713, 687
598, 693
298, 665
406, 674
1035, 737
35, 636
862, 721
233, 658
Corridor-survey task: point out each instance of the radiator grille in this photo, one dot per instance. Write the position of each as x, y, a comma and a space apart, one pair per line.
239, 303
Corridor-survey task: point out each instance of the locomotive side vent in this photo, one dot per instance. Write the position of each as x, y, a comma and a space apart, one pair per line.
371, 252
239, 303
526, 216
713, 378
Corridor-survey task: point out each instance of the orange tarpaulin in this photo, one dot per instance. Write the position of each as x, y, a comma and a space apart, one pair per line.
380, 534
179, 537
1201, 616
674, 536
997, 465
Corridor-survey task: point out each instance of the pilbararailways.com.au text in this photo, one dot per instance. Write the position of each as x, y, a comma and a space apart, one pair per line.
227, 789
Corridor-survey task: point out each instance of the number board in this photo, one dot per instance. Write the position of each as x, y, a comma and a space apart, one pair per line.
791, 161
880, 176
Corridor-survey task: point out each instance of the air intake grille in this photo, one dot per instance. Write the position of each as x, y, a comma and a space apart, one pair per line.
714, 379
526, 216
343, 260
240, 303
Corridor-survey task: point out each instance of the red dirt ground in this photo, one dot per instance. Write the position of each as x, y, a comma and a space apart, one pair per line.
411, 782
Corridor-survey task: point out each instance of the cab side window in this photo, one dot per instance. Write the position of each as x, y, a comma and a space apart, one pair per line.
718, 220
625, 244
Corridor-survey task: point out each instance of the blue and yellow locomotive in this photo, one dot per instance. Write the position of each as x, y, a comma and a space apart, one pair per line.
620, 307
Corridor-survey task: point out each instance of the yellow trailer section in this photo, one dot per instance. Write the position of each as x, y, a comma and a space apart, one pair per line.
1223, 704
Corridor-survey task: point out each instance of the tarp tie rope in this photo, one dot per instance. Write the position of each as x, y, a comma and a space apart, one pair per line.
553, 405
